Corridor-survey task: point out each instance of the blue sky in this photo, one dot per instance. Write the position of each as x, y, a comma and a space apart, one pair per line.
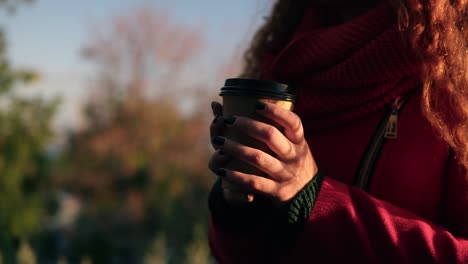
48, 35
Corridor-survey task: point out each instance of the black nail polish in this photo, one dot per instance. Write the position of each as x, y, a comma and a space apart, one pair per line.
213, 105
219, 141
221, 172
260, 106
229, 120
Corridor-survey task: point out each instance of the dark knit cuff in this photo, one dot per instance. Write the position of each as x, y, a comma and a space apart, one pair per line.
298, 210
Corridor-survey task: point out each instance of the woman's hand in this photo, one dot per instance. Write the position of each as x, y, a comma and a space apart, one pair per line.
288, 171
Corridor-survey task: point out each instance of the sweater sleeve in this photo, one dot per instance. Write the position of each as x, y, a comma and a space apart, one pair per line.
347, 224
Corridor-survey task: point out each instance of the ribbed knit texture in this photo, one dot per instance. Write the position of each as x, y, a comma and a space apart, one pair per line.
343, 72
298, 210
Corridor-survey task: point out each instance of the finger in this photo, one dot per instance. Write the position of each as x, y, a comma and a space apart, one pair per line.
217, 108
266, 133
237, 197
218, 160
250, 182
288, 120
255, 157
217, 128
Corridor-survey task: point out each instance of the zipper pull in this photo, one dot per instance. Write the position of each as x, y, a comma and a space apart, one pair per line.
392, 126
391, 131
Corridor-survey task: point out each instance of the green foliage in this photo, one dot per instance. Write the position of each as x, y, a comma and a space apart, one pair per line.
24, 165
8, 76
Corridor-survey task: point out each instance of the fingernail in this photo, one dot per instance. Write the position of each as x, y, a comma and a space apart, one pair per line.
221, 152
213, 103
219, 141
221, 172
229, 120
260, 106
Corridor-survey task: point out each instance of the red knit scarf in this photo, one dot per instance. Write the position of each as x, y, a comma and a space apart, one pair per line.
345, 71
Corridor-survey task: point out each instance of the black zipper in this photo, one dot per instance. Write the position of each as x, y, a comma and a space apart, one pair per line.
386, 129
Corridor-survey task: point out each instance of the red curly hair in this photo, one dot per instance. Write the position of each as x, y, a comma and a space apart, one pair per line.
437, 30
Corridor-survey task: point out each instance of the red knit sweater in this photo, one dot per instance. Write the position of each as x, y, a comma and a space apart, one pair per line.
416, 207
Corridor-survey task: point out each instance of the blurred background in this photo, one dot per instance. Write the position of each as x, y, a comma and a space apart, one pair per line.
104, 116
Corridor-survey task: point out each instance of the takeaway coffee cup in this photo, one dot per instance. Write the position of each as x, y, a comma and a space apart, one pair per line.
239, 98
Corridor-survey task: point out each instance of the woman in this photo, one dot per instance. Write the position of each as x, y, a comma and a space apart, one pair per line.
372, 164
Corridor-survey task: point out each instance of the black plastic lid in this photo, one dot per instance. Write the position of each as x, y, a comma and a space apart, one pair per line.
260, 88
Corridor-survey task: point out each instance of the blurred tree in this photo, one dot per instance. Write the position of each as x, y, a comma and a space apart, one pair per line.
24, 166
139, 165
